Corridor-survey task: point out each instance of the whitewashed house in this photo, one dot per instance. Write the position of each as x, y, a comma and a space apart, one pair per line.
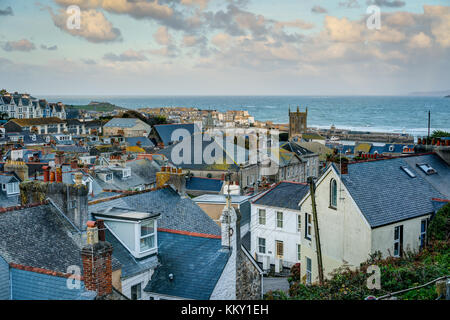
275, 225
371, 206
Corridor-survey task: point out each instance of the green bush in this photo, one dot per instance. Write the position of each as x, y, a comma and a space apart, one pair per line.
439, 228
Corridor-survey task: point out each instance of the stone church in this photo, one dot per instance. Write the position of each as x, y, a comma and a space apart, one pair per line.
297, 122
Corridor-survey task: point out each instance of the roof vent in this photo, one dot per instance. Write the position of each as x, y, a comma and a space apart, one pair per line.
425, 167
408, 172
171, 276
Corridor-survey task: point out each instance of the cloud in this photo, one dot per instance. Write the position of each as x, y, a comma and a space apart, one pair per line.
399, 19
89, 61
6, 12
192, 41
94, 26
349, 4
318, 9
420, 40
51, 48
127, 56
343, 30
386, 3
162, 36
440, 23
21, 45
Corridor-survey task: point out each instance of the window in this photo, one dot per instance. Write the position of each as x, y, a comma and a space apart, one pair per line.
308, 226
308, 271
423, 232
398, 241
279, 219
280, 249
136, 292
408, 171
333, 194
299, 223
73, 204
12, 188
147, 235
261, 245
299, 256
262, 216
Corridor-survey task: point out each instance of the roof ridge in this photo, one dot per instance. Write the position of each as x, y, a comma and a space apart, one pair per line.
393, 157
45, 271
189, 233
125, 193
25, 206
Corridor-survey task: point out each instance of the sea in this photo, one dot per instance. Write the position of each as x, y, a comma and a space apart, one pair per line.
397, 114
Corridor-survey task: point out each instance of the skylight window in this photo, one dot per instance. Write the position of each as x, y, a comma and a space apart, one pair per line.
408, 172
425, 167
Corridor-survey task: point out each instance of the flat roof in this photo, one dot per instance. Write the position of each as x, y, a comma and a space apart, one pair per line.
125, 214
220, 198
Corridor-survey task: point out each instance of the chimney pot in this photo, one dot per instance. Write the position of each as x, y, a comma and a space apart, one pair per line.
52, 176
101, 229
46, 173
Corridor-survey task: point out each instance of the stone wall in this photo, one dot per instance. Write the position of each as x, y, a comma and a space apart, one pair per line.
70, 199
248, 279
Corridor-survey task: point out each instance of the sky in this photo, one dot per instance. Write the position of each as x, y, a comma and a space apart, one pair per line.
227, 47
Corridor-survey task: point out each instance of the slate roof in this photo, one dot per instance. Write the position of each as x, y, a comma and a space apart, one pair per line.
123, 122
27, 285
196, 264
284, 195
204, 184
143, 172
27, 138
38, 237
386, 194
145, 142
37, 121
71, 149
165, 131
295, 148
177, 213
8, 177
130, 266
225, 163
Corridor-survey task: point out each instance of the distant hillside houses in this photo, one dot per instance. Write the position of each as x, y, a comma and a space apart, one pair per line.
25, 106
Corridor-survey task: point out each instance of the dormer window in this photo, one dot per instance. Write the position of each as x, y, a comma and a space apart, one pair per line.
136, 231
126, 173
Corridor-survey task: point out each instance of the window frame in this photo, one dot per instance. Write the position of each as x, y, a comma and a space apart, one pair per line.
260, 217
138, 293
333, 195
262, 245
308, 226
308, 271
278, 221
152, 234
299, 223
398, 240
277, 243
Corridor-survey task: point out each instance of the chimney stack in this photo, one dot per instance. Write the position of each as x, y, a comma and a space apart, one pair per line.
46, 173
59, 177
97, 267
344, 168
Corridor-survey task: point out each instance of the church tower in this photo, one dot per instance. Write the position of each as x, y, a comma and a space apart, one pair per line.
297, 122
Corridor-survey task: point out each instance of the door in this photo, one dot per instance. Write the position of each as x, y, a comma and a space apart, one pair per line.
279, 249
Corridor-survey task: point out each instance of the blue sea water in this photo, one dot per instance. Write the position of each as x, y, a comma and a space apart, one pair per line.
368, 113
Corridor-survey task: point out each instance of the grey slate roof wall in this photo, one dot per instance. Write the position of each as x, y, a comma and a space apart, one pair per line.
38, 237
284, 195
385, 194
195, 262
176, 213
5, 285
27, 285
165, 131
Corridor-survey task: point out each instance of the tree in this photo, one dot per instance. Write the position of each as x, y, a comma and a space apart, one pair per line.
439, 228
3, 91
440, 134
